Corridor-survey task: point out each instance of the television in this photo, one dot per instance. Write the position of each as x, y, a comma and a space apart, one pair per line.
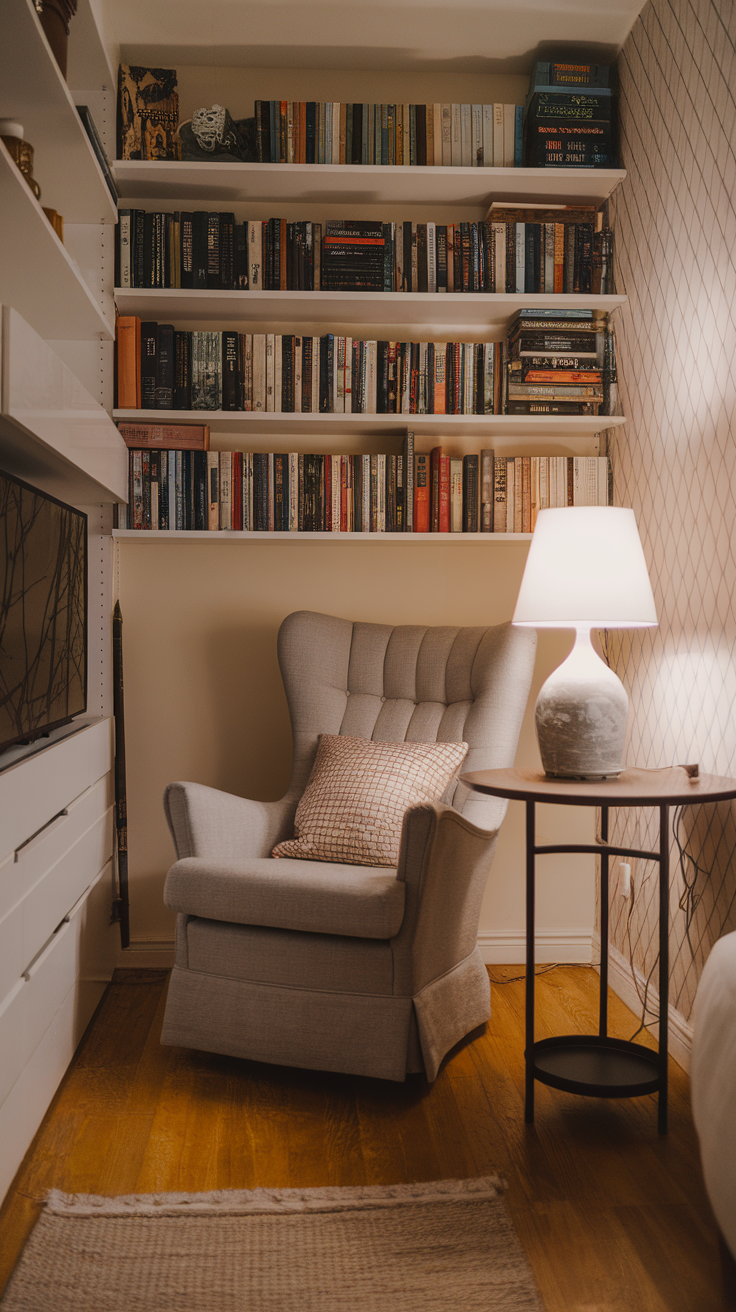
43, 612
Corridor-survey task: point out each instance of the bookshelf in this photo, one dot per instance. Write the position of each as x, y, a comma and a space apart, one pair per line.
57, 944
164, 535
56, 300
33, 92
473, 311
322, 191
545, 429
53, 433
358, 184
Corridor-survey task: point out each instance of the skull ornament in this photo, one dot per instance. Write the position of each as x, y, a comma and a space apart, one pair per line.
208, 126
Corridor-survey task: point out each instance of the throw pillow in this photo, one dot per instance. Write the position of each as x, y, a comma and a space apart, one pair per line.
353, 806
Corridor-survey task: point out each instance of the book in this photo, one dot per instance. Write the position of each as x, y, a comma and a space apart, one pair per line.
470, 493
148, 113
148, 365
95, 139
128, 362
456, 495
487, 472
182, 437
422, 488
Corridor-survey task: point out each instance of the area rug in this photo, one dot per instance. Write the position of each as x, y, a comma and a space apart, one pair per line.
404, 1248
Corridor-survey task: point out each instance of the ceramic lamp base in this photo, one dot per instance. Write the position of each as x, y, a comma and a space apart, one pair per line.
581, 716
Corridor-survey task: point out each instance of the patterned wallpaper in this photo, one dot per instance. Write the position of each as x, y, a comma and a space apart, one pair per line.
675, 460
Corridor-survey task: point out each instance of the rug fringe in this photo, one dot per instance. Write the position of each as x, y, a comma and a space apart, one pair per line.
238, 1202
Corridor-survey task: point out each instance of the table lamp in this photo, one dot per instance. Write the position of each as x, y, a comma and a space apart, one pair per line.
585, 570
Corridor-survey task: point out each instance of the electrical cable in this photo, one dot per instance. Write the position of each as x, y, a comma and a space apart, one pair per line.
544, 970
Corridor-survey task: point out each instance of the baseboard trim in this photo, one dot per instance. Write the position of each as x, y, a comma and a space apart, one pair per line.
624, 982
147, 953
507, 947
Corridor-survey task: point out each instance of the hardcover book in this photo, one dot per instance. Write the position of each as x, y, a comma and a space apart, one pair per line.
148, 113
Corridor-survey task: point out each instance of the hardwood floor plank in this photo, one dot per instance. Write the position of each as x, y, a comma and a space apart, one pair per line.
612, 1215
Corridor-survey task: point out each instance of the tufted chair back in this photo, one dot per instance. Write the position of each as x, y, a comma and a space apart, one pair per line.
408, 683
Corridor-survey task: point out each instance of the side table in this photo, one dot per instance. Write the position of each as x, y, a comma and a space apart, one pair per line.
596, 1064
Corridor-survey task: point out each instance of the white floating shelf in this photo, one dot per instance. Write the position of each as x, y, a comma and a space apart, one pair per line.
543, 428
457, 311
34, 93
221, 535
52, 432
358, 184
37, 273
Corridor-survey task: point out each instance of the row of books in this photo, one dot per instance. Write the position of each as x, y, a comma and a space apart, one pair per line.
570, 116
315, 132
413, 492
564, 357
532, 248
162, 368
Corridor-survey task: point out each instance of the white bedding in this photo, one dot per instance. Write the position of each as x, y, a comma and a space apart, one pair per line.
713, 1081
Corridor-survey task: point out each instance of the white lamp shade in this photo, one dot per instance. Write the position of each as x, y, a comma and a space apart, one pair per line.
586, 569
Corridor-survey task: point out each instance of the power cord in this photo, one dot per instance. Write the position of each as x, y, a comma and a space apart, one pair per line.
544, 970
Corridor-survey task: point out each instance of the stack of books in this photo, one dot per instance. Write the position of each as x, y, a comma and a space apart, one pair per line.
570, 117
180, 484
555, 362
162, 368
524, 485
356, 256
533, 248
311, 132
550, 248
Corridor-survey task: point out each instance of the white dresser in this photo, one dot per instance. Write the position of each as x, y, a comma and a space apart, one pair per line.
57, 945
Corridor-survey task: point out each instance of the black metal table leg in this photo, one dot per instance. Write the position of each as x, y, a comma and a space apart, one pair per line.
530, 955
603, 1015
664, 969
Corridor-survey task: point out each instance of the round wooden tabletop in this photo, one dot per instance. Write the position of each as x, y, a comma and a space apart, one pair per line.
633, 787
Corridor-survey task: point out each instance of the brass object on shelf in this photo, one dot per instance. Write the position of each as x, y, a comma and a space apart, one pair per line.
20, 151
57, 222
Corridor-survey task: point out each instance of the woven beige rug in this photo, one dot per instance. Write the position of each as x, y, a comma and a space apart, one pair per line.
406, 1248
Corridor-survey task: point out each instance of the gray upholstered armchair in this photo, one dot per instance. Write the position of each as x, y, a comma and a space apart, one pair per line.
366, 970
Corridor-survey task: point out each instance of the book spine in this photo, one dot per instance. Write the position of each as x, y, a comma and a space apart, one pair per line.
213, 490
225, 488
149, 367
470, 494
128, 363
230, 397
124, 270
500, 467
444, 494
487, 473
456, 495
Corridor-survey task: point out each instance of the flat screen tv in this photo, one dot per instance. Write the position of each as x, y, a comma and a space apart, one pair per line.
43, 612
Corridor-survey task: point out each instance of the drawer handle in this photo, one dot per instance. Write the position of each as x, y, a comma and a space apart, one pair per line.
55, 820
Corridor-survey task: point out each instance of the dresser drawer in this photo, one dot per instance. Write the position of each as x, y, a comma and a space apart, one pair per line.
22, 869
35, 998
45, 1016
35, 790
50, 875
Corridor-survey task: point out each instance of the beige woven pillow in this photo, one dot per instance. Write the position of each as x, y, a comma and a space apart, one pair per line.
352, 809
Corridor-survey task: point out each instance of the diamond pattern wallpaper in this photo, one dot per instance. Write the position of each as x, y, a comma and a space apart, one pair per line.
674, 461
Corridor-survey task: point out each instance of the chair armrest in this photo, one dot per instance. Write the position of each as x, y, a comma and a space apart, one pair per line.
205, 822
444, 861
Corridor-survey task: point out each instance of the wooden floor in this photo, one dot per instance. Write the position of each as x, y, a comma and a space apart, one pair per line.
613, 1217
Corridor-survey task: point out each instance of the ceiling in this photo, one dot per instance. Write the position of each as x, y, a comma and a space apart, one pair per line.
486, 36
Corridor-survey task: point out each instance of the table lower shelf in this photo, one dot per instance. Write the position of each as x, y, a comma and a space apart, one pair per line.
598, 1067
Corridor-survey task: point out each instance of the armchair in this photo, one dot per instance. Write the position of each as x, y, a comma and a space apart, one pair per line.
364, 970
